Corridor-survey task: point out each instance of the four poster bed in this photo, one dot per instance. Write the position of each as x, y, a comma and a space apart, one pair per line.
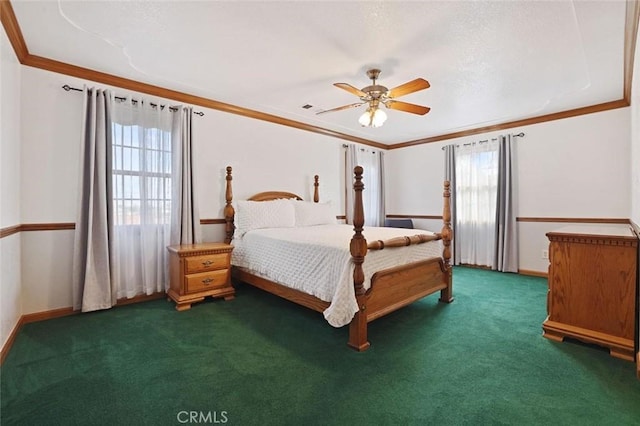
286, 246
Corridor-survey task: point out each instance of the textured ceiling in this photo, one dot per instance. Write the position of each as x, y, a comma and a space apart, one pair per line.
487, 62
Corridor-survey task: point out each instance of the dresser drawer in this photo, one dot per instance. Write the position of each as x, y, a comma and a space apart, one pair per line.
206, 280
209, 262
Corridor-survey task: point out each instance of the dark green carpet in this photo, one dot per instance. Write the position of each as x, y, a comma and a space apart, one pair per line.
261, 360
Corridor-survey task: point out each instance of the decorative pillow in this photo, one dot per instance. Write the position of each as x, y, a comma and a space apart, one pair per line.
309, 214
263, 214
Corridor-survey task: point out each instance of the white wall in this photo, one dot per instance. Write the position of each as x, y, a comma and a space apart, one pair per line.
10, 297
50, 158
635, 140
576, 167
264, 157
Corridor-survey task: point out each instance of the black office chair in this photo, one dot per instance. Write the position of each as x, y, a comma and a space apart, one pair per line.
399, 223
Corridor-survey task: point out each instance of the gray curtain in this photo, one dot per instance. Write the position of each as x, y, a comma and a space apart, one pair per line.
450, 175
185, 220
383, 202
506, 255
351, 162
93, 288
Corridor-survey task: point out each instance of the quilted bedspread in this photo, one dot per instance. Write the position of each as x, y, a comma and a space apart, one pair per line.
317, 261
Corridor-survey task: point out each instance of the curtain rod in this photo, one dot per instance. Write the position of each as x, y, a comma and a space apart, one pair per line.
344, 145
120, 98
515, 135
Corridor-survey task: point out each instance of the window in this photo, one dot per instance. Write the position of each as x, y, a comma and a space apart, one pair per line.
142, 188
141, 175
476, 195
373, 201
372, 197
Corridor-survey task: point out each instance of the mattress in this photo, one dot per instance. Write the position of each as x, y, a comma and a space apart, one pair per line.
316, 260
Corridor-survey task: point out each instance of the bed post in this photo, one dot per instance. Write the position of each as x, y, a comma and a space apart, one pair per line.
229, 212
446, 294
316, 195
358, 326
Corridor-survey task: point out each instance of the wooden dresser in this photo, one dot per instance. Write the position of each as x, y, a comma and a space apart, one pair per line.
592, 286
199, 270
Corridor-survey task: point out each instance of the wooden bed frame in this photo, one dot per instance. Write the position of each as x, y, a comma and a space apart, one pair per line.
390, 289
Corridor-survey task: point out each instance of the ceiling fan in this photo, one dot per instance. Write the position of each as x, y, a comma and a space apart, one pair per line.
375, 94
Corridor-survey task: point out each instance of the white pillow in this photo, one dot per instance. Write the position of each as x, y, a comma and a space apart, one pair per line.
263, 214
309, 214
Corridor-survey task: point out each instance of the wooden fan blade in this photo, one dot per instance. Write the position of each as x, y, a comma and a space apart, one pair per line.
407, 107
341, 108
349, 88
409, 87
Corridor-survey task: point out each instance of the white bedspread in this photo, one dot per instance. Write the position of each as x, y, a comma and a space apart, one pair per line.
317, 261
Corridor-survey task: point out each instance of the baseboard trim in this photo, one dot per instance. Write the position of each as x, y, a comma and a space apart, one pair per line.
470, 265
63, 312
141, 298
520, 271
47, 315
533, 273
9, 343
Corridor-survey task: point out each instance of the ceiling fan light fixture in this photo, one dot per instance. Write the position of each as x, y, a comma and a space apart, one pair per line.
373, 117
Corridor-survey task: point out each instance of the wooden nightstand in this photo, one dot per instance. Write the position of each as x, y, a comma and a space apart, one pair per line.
199, 270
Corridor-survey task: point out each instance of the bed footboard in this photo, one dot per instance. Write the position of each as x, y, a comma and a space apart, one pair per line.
393, 288
396, 287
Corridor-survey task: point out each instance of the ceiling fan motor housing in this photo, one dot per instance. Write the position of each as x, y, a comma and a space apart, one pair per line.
374, 92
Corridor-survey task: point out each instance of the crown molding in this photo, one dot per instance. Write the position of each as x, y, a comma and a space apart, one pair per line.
12, 28
630, 39
149, 89
621, 103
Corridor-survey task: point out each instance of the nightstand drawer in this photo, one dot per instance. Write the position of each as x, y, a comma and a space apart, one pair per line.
206, 280
208, 262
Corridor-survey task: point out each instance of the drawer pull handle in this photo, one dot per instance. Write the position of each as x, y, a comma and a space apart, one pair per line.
207, 281
207, 263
